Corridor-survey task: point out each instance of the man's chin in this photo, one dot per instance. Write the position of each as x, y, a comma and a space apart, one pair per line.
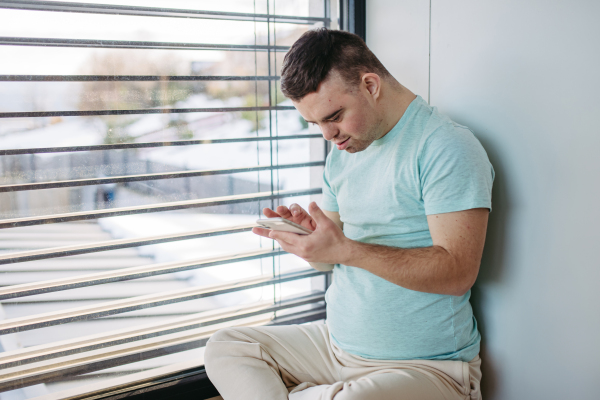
356, 148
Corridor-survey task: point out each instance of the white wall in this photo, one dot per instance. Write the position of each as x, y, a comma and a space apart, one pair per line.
398, 33
524, 75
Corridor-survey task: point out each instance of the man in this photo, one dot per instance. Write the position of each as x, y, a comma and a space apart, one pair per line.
406, 198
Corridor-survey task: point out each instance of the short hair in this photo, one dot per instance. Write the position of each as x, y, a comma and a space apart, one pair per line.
317, 52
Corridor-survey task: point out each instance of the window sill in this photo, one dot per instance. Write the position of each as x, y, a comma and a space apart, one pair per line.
182, 380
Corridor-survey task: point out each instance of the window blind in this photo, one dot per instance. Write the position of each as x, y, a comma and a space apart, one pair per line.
121, 128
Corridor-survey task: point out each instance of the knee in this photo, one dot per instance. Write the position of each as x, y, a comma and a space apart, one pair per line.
222, 335
223, 342
214, 346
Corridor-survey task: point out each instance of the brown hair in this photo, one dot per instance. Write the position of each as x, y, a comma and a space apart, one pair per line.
317, 52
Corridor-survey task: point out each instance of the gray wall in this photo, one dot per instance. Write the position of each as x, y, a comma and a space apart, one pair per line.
524, 75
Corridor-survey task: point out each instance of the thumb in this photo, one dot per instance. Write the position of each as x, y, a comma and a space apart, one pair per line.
315, 212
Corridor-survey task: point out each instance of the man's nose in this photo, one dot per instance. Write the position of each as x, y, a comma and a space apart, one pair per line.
330, 131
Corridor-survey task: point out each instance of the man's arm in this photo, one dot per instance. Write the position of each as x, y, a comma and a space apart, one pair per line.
450, 266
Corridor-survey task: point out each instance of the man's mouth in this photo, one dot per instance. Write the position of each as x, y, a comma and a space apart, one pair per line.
342, 145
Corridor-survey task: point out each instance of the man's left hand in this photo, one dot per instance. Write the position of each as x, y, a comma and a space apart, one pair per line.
324, 245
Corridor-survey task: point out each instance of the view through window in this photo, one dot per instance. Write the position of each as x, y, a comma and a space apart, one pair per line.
138, 146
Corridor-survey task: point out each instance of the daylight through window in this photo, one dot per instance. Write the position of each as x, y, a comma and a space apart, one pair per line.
138, 146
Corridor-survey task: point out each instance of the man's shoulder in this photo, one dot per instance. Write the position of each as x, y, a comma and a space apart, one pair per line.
437, 124
442, 133
429, 124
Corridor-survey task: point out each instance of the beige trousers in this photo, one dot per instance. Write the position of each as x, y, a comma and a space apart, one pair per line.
299, 362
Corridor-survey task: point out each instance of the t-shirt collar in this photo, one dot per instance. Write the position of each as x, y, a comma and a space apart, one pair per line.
408, 113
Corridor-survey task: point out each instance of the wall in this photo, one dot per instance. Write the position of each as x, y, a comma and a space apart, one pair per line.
524, 75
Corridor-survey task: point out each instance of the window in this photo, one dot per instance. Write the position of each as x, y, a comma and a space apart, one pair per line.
138, 145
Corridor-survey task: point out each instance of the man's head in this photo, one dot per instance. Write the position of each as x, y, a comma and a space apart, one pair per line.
335, 81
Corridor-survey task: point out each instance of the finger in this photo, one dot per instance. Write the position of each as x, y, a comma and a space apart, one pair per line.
302, 217
284, 212
288, 237
285, 246
270, 213
317, 213
298, 211
262, 232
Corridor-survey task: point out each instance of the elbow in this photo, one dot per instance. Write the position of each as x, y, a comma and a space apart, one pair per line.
460, 275
461, 291
465, 284
465, 278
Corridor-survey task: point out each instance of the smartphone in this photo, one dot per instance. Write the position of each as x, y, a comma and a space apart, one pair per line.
282, 224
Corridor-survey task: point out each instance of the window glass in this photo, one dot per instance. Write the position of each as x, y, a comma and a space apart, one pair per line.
93, 138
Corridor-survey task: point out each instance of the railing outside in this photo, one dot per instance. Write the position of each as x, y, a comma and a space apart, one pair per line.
137, 147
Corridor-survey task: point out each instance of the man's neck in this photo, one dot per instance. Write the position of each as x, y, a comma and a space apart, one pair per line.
394, 102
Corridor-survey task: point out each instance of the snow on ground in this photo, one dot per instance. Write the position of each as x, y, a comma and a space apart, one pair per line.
150, 123
137, 226
70, 132
236, 155
142, 225
88, 131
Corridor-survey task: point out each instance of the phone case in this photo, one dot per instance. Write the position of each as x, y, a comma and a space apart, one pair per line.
281, 224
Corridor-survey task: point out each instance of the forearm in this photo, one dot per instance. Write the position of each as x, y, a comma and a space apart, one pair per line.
428, 269
450, 266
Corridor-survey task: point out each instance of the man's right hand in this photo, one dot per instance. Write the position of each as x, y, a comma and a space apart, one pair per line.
298, 215
295, 214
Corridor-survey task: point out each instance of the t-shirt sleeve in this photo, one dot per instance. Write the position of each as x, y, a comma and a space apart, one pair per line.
329, 201
455, 172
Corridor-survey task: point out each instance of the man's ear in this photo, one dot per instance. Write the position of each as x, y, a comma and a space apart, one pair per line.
372, 83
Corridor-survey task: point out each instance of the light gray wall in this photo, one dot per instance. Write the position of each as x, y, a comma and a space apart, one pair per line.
524, 75
398, 33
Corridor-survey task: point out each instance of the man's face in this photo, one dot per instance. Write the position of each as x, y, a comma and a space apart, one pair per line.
347, 115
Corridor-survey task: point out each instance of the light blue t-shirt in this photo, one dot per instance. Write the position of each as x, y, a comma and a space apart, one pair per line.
427, 164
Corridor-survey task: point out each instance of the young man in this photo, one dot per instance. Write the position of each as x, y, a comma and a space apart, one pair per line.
406, 198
